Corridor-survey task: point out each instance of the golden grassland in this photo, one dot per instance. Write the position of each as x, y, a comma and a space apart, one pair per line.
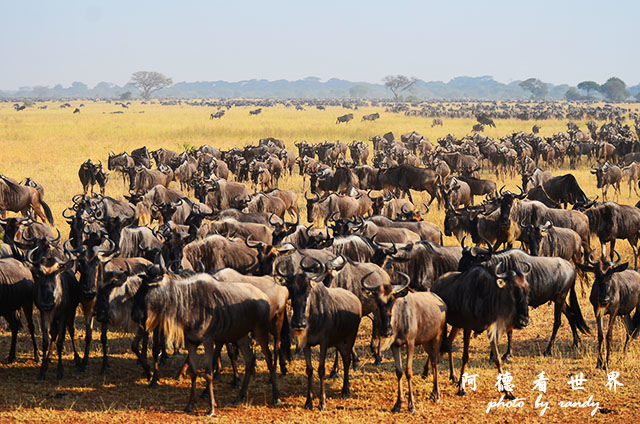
49, 145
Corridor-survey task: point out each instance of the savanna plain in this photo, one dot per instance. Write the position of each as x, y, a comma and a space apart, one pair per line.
49, 146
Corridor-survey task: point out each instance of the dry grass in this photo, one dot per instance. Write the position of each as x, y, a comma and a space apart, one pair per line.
49, 145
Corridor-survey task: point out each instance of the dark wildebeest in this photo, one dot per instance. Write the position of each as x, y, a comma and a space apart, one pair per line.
615, 292
113, 310
19, 198
417, 318
565, 189
479, 187
550, 280
56, 294
371, 117
436, 122
406, 178
87, 174
611, 221
16, 292
344, 118
329, 317
608, 175
255, 111
491, 298
122, 163
199, 310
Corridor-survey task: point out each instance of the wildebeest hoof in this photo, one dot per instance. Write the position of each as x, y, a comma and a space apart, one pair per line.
277, 402
547, 353
412, 410
461, 392
506, 358
308, 404
188, 409
396, 407
434, 397
345, 394
334, 374
239, 399
355, 366
378, 361
509, 396
322, 407
153, 384
211, 414
11, 359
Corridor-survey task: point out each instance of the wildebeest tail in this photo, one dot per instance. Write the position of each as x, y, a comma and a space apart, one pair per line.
47, 211
445, 346
574, 314
285, 338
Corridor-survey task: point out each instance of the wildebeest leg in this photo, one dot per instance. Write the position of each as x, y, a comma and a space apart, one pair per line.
558, 308
600, 336
232, 353
217, 349
507, 355
633, 241
336, 366
630, 328
261, 334
135, 347
28, 314
375, 340
398, 362
60, 346
45, 325
14, 326
409, 374
193, 369
157, 352
249, 364
307, 358
87, 309
278, 353
494, 347
321, 370
208, 373
346, 362
433, 350
465, 359
105, 355
69, 321
612, 320
449, 341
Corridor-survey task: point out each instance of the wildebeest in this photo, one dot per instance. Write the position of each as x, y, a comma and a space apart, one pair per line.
607, 175
16, 292
436, 122
611, 221
199, 310
344, 118
547, 240
329, 317
406, 178
19, 198
255, 111
615, 292
370, 117
491, 298
415, 319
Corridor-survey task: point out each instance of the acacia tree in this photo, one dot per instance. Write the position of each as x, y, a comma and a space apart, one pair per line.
589, 86
398, 83
536, 87
614, 90
148, 82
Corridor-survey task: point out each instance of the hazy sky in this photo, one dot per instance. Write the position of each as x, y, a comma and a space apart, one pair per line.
50, 42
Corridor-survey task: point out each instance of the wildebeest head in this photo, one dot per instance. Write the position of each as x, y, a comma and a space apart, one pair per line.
89, 260
385, 296
282, 230
46, 269
266, 256
599, 172
603, 272
299, 286
532, 236
474, 255
515, 282
506, 203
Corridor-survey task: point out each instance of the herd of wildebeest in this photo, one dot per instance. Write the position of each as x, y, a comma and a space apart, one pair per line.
224, 259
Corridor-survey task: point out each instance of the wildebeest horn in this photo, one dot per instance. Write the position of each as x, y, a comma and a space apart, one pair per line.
617, 261
76, 199
547, 226
280, 273
273, 224
336, 263
312, 268
30, 257
462, 241
27, 239
73, 252
258, 245
109, 250
528, 265
426, 208
491, 247
500, 276
590, 258
402, 209
500, 191
53, 240
363, 282
369, 195
397, 288
64, 214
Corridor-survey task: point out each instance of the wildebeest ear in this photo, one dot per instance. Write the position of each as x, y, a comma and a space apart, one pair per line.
620, 268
